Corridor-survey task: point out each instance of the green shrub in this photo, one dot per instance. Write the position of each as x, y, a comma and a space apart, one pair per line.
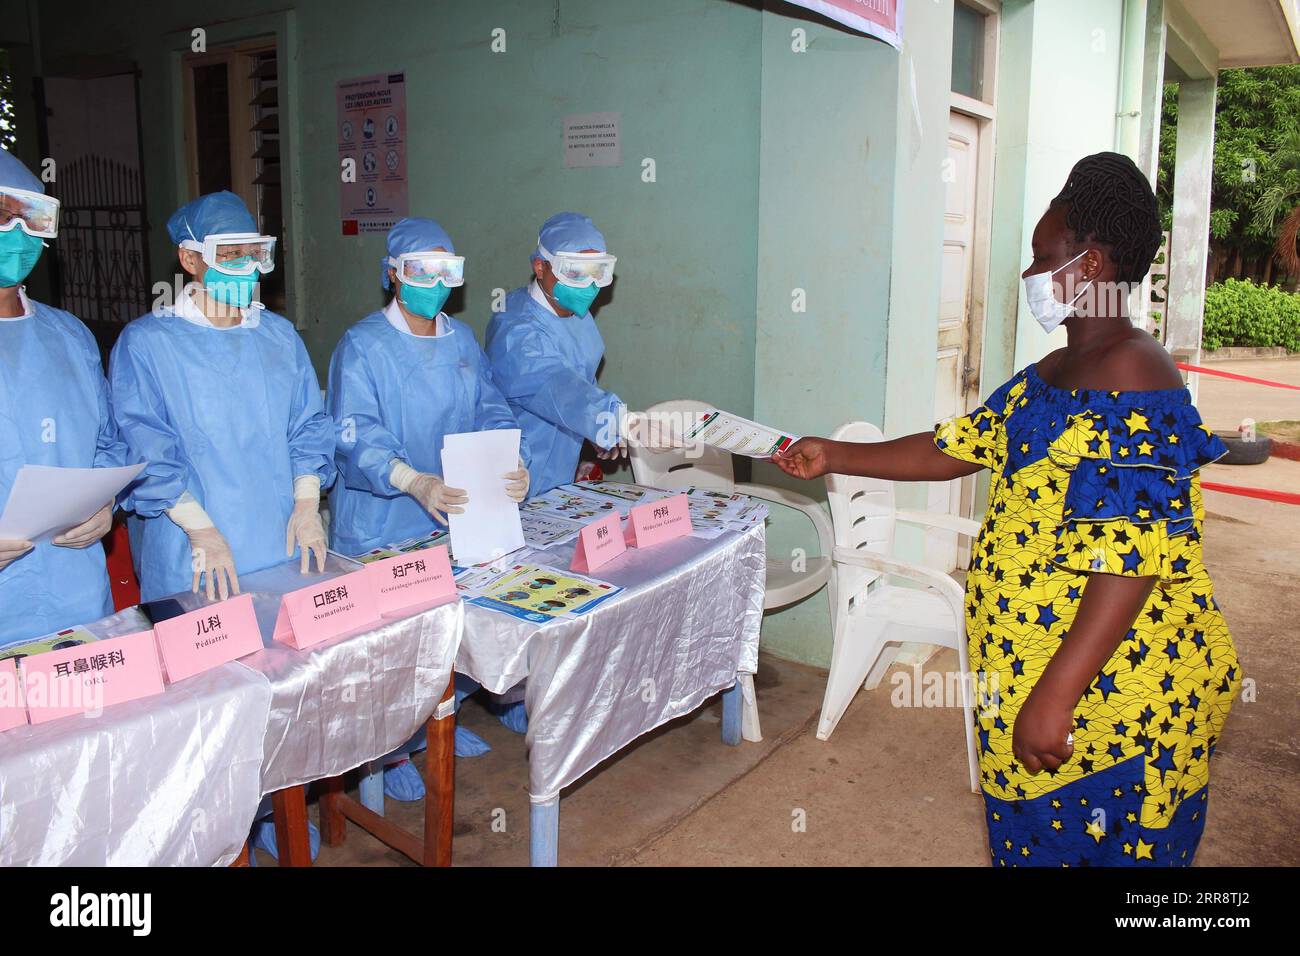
1239, 312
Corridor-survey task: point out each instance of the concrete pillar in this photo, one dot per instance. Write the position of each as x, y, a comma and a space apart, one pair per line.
1153, 85
1189, 241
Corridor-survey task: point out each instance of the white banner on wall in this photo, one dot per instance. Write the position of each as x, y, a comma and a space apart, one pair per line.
591, 139
882, 19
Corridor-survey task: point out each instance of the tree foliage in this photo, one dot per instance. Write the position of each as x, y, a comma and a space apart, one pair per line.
1256, 166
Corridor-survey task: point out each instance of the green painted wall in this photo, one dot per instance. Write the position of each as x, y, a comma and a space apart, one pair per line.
486, 160
1073, 95
923, 118
826, 208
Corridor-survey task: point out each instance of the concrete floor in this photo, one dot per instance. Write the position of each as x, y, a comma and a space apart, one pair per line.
1224, 402
888, 788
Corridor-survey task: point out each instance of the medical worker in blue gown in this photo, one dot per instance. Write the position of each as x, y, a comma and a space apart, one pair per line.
545, 350
218, 395
54, 410
401, 379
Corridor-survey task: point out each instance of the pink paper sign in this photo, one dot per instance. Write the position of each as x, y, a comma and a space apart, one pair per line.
327, 609
90, 677
209, 637
13, 711
658, 521
599, 543
418, 579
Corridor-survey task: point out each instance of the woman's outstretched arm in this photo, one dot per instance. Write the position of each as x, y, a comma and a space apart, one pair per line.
913, 458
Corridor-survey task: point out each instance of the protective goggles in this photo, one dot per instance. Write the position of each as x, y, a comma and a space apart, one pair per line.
236, 253
580, 269
36, 213
428, 268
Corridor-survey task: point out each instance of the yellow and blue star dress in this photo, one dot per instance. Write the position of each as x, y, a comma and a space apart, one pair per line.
1086, 482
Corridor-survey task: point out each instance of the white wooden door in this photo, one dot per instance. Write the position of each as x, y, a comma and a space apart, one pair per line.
956, 366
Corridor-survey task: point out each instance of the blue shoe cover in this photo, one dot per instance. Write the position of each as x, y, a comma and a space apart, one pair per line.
513, 716
470, 744
264, 840
403, 782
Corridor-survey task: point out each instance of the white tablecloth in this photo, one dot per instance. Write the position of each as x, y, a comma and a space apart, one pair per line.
349, 700
171, 780
686, 625
176, 779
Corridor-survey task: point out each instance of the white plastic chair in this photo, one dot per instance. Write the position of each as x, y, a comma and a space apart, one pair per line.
871, 617
710, 468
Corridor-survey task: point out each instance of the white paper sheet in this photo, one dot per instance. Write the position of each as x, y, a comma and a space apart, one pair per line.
489, 526
738, 435
46, 501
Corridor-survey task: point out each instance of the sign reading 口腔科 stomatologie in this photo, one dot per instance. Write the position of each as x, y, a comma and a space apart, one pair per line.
371, 130
591, 139
882, 19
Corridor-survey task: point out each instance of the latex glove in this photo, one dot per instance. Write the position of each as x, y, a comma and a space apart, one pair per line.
655, 433
211, 557
11, 551
307, 532
434, 495
517, 482
213, 562
89, 531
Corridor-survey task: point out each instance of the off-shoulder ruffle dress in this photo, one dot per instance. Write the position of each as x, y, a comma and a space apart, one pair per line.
1086, 482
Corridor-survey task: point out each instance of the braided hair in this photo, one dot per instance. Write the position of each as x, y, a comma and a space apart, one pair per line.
1109, 201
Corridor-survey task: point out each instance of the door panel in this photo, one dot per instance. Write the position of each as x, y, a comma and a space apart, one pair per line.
955, 365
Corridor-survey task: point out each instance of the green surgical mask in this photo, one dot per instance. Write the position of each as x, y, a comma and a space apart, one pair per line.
577, 301
18, 255
228, 289
424, 301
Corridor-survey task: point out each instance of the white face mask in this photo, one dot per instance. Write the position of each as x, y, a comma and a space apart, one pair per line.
1042, 300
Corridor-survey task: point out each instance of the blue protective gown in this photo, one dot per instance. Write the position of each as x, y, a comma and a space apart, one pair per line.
545, 366
394, 395
232, 416
54, 410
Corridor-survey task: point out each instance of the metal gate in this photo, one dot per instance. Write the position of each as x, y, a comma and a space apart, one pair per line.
102, 253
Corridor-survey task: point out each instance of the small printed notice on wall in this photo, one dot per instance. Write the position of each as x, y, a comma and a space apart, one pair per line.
591, 139
371, 130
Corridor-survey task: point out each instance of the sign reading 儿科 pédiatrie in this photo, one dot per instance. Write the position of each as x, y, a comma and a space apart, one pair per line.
591, 139
882, 19
371, 130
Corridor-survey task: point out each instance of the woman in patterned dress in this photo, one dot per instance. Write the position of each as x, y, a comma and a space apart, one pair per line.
1090, 615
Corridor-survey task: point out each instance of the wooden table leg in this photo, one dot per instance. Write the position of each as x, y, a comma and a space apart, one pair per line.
333, 825
289, 810
440, 781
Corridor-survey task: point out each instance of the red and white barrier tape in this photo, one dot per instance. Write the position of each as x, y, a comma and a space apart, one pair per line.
1233, 375
1267, 494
